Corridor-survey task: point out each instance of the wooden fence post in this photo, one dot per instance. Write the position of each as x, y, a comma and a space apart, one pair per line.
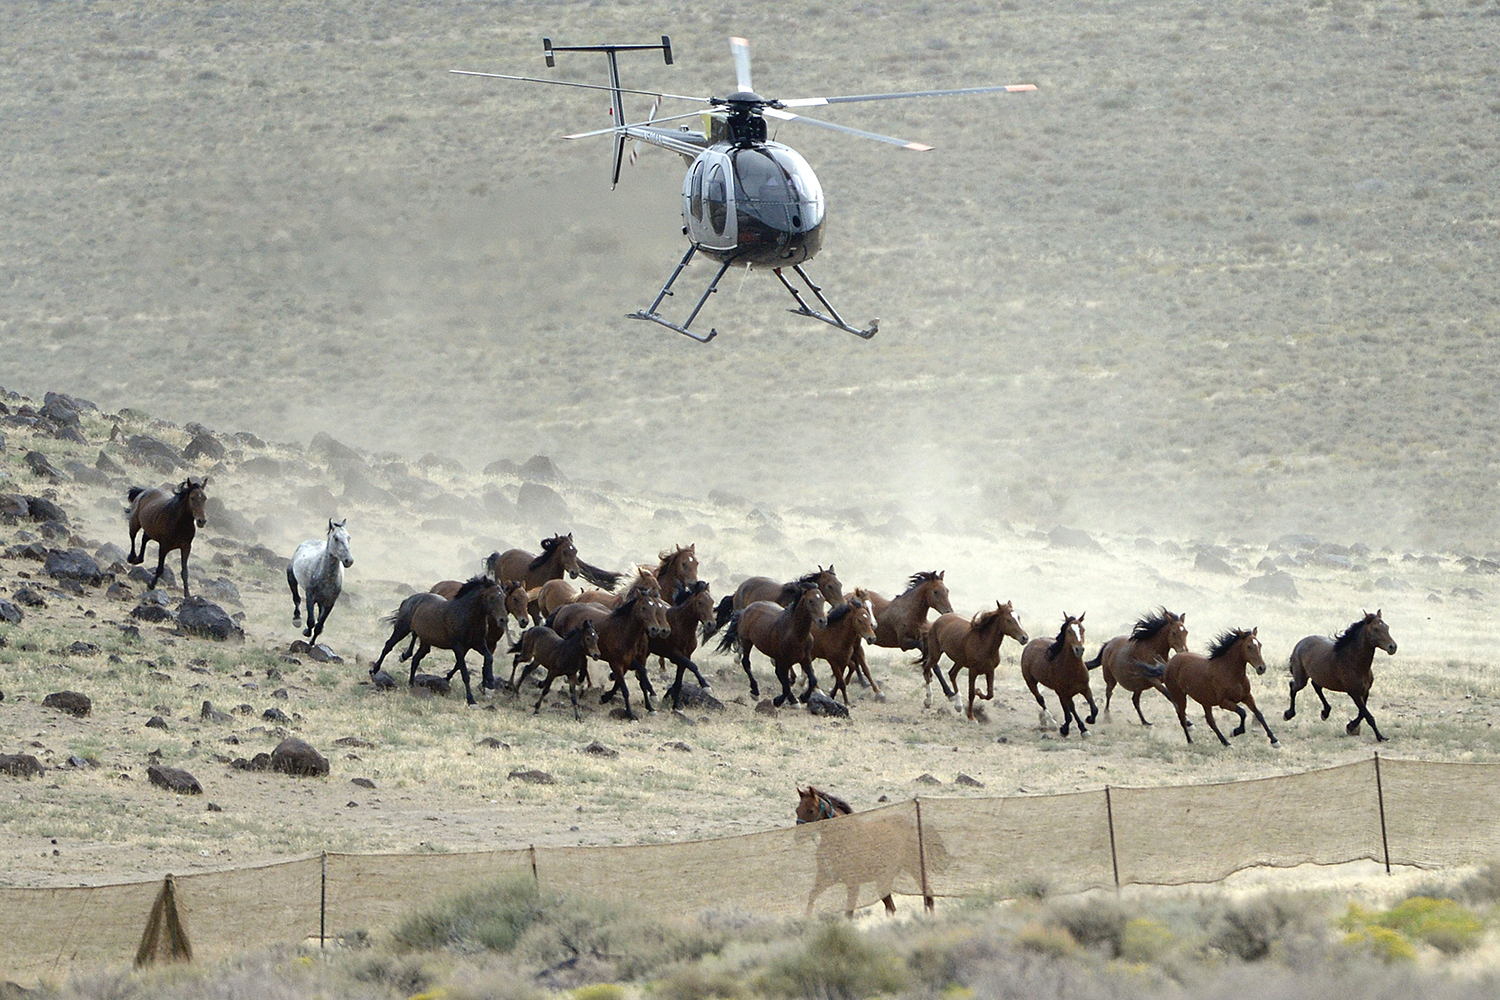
1385, 843
927, 900
323, 903
534, 876
1114, 859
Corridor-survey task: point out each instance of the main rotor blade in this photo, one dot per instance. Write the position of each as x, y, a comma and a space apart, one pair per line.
583, 86
741, 49
618, 128
787, 116
817, 102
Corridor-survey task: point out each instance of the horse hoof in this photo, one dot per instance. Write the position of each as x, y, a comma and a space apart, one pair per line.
1287, 715
1276, 743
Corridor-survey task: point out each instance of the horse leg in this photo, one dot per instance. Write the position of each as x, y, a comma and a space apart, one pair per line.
547, 686
463, 669
136, 559
1362, 702
1240, 729
745, 663
161, 565
1181, 706
625, 694
1250, 700
312, 619
1093, 708
1041, 715
422, 651
645, 682
1109, 690
1327, 708
675, 691
397, 634
1298, 682
573, 695
487, 677
864, 669
1066, 704
1135, 700
291, 581
1208, 713
515, 685
784, 675
186, 548
812, 681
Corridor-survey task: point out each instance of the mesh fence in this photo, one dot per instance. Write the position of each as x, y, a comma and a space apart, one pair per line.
1435, 814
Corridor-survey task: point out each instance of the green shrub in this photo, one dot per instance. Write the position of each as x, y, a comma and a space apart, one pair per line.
600, 991
1250, 931
492, 918
1145, 940
694, 982
837, 964
1093, 924
1048, 939
1442, 923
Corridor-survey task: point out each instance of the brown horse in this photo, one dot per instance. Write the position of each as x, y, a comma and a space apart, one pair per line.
783, 634
559, 556
561, 656
515, 607
901, 622
763, 588
624, 637
461, 624
1218, 680
644, 579
837, 640
972, 644
871, 851
677, 566
692, 609
1342, 664
1138, 661
1059, 665
550, 596
168, 519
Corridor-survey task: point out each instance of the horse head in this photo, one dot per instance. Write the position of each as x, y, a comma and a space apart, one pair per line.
517, 600
651, 610
1177, 633
565, 552
1379, 633
1252, 651
685, 561
828, 583
192, 491
934, 589
494, 601
1003, 616
816, 604
338, 542
864, 621
591, 640
1073, 627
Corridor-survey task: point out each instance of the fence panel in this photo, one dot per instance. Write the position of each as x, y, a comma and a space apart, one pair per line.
831, 865
229, 911
1440, 813
1203, 833
1056, 842
55, 932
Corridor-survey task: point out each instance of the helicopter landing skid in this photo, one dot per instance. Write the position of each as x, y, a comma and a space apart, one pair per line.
655, 317
832, 318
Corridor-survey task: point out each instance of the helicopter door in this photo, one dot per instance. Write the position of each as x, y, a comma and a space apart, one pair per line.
716, 200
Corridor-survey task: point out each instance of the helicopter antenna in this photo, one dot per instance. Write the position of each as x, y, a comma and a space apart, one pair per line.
617, 106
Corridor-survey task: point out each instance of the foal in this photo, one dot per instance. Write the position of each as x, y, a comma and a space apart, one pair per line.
561, 656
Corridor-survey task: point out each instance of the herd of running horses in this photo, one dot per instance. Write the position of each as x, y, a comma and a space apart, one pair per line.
663, 612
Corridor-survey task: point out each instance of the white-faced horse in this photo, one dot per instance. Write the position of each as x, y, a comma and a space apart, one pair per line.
319, 568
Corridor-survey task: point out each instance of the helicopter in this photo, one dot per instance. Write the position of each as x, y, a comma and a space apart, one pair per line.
746, 199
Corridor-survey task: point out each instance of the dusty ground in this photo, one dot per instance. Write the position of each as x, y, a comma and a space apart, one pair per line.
436, 788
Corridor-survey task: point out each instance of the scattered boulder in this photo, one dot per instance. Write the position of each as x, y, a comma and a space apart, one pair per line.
819, 703
149, 610
967, 781
362, 782
219, 588
352, 741
339, 456
494, 744
143, 576
13, 508
29, 597
1278, 584
159, 455
383, 681
79, 647
502, 467
204, 445
72, 702
44, 510
765, 706
10, 614
294, 756
600, 750
541, 503
40, 465
210, 714
231, 522
1062, 537
108, 465
262, 465
276, 715
927, 779
432, 682
1209, 562
73, 564
532, 777
109, 553
156, 722
174, 779
21, 765
694, 696
540, 469
200, 616
677, 745
322, 654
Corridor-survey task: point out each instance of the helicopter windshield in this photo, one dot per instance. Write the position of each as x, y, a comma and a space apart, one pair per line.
776, 187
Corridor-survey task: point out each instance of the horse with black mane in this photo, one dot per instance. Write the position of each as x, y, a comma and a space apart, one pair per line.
1138, 661
1343, 664
462, 624
837, 639
1218, 680
692, 609
763, 588
1059, 665
901, 622
559, 555
168, 519
624, 635
783, 634
561, 656
973, 644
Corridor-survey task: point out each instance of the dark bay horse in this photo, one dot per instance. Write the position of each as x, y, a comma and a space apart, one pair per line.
1218, 680
763, 588
692, 609
461, 624
782, 634
561, 656
1342, 664
677, 566
319, 568
624, 638
838, 638
559, 556
972, 644
1138, 661
1058, 664
901, 622
852, 853
168, 519
515, 607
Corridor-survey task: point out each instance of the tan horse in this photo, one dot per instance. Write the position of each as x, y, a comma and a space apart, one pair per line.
838, 638
1218, 680
559, 556
1058, 664
973, 644
168, 519
783, 634
901, 622
644, 579
624, 637
1138, 661
1342, 664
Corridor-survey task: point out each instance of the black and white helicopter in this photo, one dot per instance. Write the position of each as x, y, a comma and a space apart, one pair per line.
746, 199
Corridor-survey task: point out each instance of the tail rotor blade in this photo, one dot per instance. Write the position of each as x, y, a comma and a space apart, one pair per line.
741, 49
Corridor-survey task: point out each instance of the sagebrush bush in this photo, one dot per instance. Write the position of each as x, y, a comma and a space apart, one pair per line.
492, 918
1048, 939
836, 963
1443, 923
1483, 886
1145, 940
1252, 930
1094, 923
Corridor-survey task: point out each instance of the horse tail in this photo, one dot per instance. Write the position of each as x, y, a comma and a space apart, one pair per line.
731, 639
602, 578
135, 491
1097, 661
722, 614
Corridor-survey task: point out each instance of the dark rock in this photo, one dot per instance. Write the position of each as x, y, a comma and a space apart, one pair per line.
10, 614
383, 681
41, 466
494, 744
1295, 543
532, 777
432, 460
1062, 537
819, 703
677, 745
143, 576
156, 722
150, 611
352, 741
322, 654
541, 503
174, 779
73, 564
339, 456
108, 465
927, 779
204, 445
109, 553
276, 715
42, 509
432, 683
201, 617
262, 465
1278, 584
502, 467
1208, 562
264, 556
85, 474
13, 508
214, 807
219, 588
765, 707
294, 756
210, 714
967, 782
72, 702
230, 522
21, 765
600, 750
539, 469
249, 440
362, 782
29, 597
280, 693
694, 696
80, 648
159, 455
